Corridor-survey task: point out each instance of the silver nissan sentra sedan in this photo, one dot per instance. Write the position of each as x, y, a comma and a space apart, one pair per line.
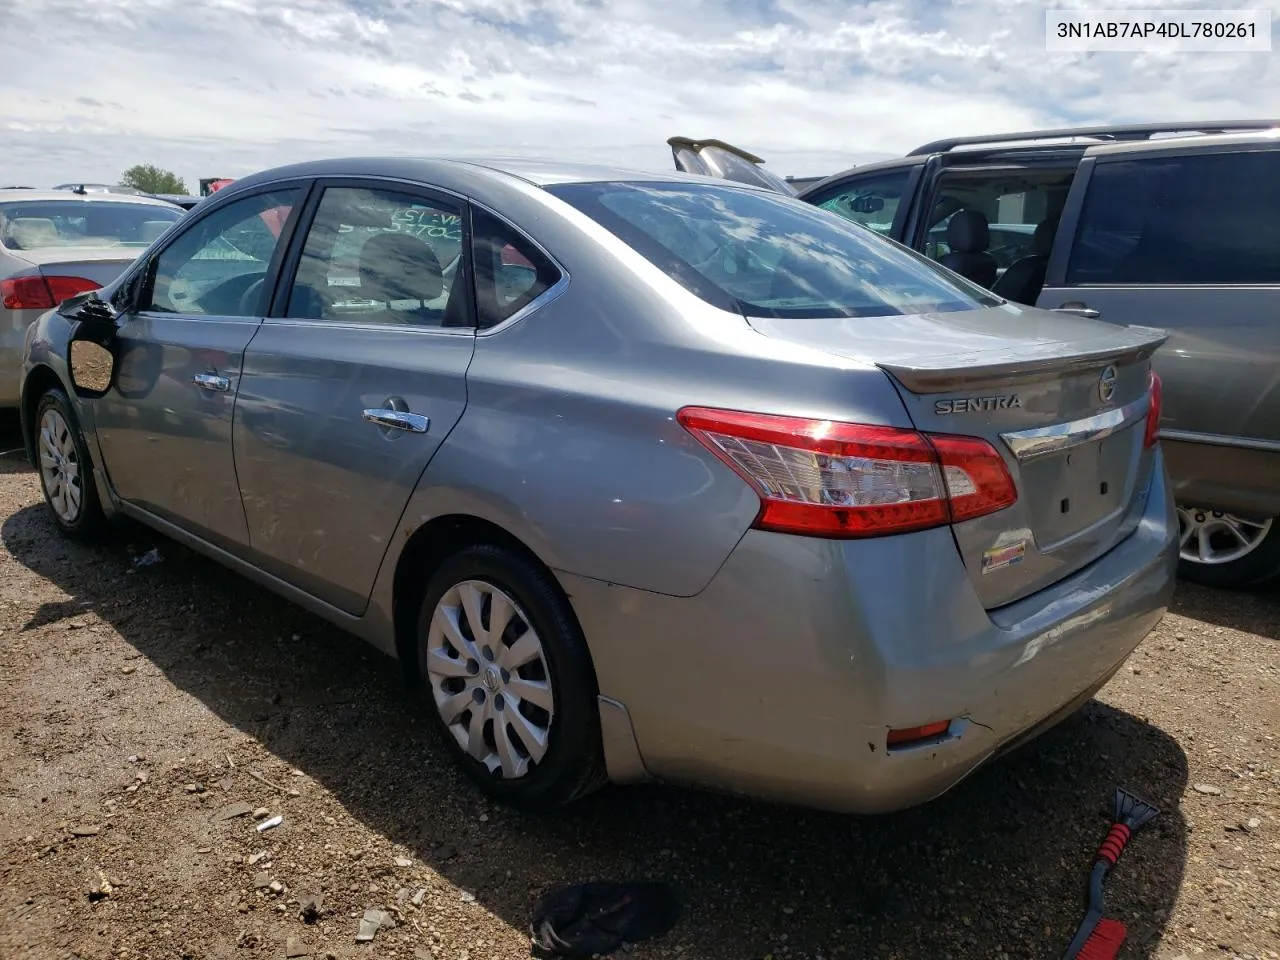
640, 475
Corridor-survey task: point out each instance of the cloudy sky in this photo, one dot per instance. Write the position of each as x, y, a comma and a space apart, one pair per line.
224, 87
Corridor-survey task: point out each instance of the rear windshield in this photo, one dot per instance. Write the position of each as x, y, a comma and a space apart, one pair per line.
766, 255
45, 224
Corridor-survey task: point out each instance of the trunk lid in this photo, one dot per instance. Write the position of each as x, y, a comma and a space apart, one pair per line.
1063, 400
99, 264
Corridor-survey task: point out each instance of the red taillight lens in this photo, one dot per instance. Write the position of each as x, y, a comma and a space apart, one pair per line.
828, 479
41, 293
1153, 412
930, 731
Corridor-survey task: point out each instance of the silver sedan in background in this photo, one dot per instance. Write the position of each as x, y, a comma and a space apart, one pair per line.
639, 475
55, 244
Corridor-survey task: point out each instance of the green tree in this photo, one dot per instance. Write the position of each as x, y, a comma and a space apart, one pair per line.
149, 178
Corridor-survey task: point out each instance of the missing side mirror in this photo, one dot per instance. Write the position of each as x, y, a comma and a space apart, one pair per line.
91, 359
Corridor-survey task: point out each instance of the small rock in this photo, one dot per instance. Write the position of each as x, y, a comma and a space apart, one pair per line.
403, 862
260, 813
85, 831
418, 897
402, 895
1207, 788
261, 880
255, 857
1253, 823
276, 887
310, 905
194, 788
231, 811
128, 670
296, 637
371, 923
133, 758
295, 793
293, 947
227, 783
270, 824
466, 896
142, 776
421, 953
484, 818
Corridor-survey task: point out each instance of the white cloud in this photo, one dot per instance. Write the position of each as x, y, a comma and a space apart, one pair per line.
229, 86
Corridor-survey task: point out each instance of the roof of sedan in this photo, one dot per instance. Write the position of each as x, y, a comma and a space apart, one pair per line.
540, 172
43, 196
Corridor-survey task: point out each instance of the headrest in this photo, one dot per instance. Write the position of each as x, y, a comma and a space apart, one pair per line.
399, 266
1042, 239
28, 233
967, 232
151, 229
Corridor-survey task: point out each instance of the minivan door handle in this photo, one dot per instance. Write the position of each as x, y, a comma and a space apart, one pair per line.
1079, 309
398, 420
211, 381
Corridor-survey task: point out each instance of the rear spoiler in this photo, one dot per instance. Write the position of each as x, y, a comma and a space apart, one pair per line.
715, 158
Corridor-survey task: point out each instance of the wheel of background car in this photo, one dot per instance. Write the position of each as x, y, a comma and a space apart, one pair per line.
1222, 549
66, 472
508, 678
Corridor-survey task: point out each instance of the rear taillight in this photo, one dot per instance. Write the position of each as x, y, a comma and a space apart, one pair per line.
828, 479
1153, 412
41, 293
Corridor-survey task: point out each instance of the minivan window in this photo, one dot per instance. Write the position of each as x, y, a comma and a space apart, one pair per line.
765, 255
871, 200
1189, 219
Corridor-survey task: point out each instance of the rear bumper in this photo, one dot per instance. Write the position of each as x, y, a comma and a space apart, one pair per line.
782, 678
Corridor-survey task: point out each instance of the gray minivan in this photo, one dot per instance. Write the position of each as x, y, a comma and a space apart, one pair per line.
1172, 225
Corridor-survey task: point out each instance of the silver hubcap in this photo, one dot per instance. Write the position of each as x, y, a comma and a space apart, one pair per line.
489, 677
59, 466
1211, 536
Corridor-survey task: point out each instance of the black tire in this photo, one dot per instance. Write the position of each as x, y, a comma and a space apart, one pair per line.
1256, 567
90, 521
573, 764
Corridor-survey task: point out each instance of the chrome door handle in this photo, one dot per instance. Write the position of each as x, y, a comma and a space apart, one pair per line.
211, 381
398, 420
1079, 309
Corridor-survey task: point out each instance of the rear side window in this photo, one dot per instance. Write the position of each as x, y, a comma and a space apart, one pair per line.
765, 255
510, 271
1207, 219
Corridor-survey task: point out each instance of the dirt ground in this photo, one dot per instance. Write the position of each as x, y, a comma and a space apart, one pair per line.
140, 701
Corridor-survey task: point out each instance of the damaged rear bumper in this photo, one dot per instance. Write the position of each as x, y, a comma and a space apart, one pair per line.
782, 679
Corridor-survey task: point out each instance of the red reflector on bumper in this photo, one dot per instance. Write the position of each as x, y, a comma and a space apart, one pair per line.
930, 731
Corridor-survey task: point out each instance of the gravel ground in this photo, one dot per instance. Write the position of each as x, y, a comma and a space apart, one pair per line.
145, 703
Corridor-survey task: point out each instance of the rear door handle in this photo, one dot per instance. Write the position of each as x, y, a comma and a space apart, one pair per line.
398, 420
211, 381
1079, 309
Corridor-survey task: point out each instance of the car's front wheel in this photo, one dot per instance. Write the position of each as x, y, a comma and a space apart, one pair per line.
509, 677
66, 472
1220, 549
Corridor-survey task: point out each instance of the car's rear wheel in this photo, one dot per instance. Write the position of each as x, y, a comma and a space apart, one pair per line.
66, 472
1220, 549
509, 678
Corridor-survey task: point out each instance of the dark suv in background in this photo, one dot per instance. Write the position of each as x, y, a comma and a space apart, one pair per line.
1174, 226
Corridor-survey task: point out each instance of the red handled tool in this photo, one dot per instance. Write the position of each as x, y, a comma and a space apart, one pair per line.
1097, 937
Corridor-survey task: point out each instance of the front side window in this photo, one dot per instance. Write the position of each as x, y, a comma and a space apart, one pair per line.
765, 255
53, 224
510, 271
218, 267
380, 256
871, 201
1196, 219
